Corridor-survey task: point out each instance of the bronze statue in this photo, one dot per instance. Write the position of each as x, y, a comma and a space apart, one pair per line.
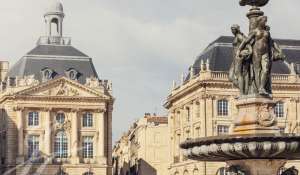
257, 3
238, 39
254, 58
239, 72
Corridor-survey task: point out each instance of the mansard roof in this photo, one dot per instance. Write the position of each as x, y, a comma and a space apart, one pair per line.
219, 54
58, 58
56, 50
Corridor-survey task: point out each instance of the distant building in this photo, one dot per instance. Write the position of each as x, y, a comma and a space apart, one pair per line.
55, 112
143, 150
203, 104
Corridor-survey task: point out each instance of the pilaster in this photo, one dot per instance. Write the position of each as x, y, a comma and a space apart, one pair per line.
20, 127
74, 136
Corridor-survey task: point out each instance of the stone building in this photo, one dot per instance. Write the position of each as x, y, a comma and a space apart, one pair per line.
55, 112
204, 102
143, 150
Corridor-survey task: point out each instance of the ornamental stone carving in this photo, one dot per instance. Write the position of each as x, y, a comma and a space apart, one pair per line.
266, 116
27, 81
64, 90
66, 126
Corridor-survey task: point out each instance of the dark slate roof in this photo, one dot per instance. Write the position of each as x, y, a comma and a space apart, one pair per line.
56, 57
60, 50
220, 51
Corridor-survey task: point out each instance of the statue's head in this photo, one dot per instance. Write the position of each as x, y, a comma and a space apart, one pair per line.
235, 29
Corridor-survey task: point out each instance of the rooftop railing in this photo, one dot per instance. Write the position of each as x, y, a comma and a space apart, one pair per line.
55, 40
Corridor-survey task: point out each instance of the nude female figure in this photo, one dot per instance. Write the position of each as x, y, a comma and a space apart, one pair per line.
261, 56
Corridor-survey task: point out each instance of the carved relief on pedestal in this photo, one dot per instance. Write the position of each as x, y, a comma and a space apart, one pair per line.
266, 116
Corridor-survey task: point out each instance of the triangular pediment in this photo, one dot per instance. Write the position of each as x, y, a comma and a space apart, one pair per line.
61, 87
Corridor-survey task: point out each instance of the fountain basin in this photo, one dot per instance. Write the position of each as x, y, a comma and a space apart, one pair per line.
241, 147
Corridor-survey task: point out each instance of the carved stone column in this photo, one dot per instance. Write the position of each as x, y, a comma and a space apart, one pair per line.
47, 133
20, 122
74, 137
100, 116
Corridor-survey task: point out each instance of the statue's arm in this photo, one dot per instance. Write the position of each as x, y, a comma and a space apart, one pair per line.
245, 42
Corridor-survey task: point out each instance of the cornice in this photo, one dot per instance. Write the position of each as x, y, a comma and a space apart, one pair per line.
192, 86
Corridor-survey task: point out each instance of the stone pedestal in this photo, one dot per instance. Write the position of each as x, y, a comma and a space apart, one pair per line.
255, 116
256, 166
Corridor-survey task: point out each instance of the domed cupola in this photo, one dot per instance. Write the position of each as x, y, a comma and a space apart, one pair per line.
55, 7
54, 19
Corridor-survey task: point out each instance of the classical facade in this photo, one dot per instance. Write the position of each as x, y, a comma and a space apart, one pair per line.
143, 150
55, 112
204, 102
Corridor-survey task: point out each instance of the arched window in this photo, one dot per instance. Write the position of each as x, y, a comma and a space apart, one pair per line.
88, 173
72, 74
222, 107
47, 74
33, 118
60, 118
87, 119
279, 109
176, 173
61, 145
54, 27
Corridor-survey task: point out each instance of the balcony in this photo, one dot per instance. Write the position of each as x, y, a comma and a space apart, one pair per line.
54, 40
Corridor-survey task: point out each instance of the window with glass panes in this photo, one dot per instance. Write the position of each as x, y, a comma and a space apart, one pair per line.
33, 119
61, 145
88, 173
33, 146
87, 120
223, 129
279, 110
87, 147
60, 118
222, 107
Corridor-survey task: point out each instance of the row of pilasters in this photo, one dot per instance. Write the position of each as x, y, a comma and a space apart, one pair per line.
74, 136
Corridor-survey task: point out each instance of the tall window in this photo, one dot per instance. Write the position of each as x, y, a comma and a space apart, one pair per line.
88, 148
88, 173
61, 145
222, 107
87, 119
188, 113
60, 118
33, 119
279, 110
223, 129
33, 147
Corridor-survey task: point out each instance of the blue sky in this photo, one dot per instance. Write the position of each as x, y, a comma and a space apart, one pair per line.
140, 45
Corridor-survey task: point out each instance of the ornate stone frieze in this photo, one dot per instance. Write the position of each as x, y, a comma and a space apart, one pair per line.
243, 147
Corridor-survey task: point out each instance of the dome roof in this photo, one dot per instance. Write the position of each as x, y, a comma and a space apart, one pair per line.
55, 7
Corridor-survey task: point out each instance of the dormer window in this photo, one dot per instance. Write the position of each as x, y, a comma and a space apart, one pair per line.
72, 74
47, 74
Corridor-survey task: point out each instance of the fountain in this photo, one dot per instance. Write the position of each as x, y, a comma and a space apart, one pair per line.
256, 146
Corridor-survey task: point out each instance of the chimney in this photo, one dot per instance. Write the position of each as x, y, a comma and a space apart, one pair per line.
4, 66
